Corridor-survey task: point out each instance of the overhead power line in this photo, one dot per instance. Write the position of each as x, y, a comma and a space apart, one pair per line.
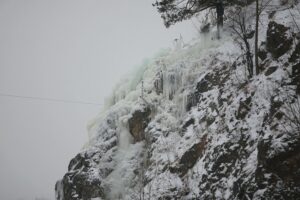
48, 99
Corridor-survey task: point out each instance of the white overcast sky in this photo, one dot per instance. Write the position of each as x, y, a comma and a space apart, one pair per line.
64, 49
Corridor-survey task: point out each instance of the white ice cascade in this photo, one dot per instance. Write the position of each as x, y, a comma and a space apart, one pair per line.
178, 71
119, 180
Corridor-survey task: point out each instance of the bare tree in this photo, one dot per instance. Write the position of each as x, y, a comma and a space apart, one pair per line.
292, 114
238, 23
259, 7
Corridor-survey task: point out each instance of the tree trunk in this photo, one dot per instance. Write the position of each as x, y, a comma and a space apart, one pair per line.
220, 13
218, 26
249, 58
256, 38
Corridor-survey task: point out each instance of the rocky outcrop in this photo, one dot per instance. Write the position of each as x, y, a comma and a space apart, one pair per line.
88, 169
283, 169
81, 186
271, 70
82, 181
212, 79
138, 122
244, 108
262, 52
285, 164
279, 40
211, 132
190, 157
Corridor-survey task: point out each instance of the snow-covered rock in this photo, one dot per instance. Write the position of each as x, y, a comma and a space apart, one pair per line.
202, 129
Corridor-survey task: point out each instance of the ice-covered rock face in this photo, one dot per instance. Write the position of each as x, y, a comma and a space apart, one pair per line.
198, 128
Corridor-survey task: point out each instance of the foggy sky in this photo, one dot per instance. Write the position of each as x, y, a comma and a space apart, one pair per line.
64, 49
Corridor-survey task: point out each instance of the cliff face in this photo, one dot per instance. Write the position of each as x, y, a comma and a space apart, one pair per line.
202, 129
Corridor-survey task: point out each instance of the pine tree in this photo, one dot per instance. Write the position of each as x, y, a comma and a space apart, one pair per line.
173, 11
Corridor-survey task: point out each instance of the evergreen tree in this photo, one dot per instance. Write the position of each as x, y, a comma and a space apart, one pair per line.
173, 11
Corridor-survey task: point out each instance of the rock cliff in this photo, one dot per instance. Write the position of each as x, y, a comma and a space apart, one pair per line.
203, 129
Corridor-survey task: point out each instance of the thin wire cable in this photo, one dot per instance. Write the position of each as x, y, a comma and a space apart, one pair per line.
48, 99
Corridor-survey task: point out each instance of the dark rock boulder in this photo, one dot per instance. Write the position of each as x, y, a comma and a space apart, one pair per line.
192, 100
190, 157
80, 161
278, 40
274, 113
283, 167
205, 28
262, 53
138, 123
83, 185
83, 179
188, 123
271, 70
244, 108
215, 78
87, 169
286, 165
205, 85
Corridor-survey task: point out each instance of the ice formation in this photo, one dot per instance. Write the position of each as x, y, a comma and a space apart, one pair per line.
212, 133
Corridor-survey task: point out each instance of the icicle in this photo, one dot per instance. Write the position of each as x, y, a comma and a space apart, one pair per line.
115, 179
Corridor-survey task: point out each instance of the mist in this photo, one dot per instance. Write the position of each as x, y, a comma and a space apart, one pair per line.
69, 50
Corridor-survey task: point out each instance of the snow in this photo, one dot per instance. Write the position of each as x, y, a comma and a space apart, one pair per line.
180, 69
